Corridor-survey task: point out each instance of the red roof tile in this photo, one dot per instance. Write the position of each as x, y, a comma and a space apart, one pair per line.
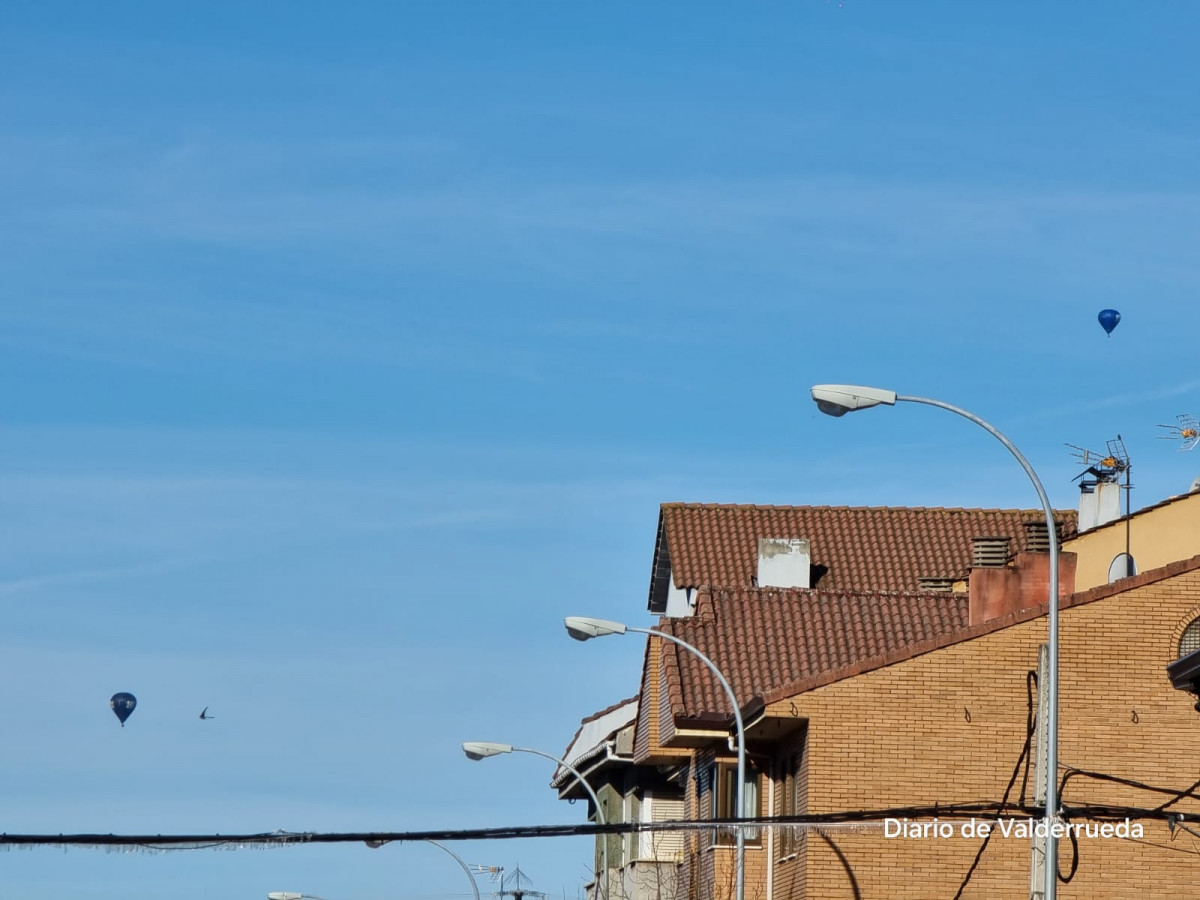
958, 635
764, 638
860, 548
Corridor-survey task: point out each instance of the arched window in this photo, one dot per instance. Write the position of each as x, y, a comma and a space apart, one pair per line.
1122, 566
1189, 641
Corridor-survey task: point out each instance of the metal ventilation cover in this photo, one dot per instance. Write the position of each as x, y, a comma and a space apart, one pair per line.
937, 584
989, 552
1037, 536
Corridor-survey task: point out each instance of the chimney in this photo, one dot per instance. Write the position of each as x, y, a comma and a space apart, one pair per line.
1099, 504
997, 591
784, 563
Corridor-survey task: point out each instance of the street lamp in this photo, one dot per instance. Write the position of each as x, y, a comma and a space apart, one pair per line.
839, 399
374, 845
583, 628
289, 895
477, 750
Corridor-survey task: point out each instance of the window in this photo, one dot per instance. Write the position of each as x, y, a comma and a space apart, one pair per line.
1189, 641
793, 801
1122, 566
722, 781
633, 813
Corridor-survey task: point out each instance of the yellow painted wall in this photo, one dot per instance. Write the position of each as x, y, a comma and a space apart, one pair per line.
1157, 535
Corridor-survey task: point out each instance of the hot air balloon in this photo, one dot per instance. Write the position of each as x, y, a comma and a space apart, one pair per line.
123, 705
1109, 319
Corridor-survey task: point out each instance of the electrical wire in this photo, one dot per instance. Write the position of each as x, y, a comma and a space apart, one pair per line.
1030, 724
861, 820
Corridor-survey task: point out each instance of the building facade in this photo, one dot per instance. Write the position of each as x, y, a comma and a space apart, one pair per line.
888, 660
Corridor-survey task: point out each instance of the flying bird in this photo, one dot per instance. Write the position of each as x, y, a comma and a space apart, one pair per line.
204, 714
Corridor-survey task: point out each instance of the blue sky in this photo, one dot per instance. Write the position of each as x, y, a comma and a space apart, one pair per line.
345, 352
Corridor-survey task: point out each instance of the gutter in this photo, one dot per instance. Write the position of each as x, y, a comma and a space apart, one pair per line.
562, 778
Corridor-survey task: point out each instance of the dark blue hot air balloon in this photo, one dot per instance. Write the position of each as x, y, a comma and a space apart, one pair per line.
123, 705
1109, 319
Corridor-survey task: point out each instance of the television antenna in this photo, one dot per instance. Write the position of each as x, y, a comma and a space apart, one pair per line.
1107, 468
1102, 467
518, 885
1188, 431
494, 873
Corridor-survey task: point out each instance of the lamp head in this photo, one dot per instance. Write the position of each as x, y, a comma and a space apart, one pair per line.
284, 895
583, 628
839, 399
484, 749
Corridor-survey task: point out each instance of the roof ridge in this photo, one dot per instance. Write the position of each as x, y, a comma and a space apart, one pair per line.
1145, 509
846, 508
604, 712
718, 591
982, 629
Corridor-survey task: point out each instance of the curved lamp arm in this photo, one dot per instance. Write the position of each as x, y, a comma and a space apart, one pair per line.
374, 845
839, 399
483, 749
458, 859
583, 628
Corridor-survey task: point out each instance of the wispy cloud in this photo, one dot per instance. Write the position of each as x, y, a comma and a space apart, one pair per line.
1117, 400
260, 194
547, 244
85, 577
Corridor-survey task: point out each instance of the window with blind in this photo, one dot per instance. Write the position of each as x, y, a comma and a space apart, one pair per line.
722, 780
792, 799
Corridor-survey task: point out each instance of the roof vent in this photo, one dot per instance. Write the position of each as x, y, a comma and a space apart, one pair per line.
989, 552
1037, 538
936, 584
784, 563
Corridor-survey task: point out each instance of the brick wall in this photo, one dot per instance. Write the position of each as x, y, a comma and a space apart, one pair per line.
645, 736
788, 849
948, 726
708, 868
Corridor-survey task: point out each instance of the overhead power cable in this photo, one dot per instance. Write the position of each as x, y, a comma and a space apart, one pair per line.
863, 820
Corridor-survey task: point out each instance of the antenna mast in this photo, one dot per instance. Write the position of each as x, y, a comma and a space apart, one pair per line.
1107, 468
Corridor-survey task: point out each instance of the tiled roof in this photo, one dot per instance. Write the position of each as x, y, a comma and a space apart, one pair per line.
763, 638
593, 732
949, 638
859, 548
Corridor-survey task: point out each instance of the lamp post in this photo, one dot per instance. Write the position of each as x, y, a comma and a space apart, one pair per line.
374, 845
477, 750
583, 628
290, 895
839, 399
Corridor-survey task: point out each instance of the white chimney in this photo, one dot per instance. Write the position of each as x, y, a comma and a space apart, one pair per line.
1100, 505
784, 563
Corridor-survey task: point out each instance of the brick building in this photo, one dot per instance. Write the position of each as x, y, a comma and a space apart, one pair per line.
888, 658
